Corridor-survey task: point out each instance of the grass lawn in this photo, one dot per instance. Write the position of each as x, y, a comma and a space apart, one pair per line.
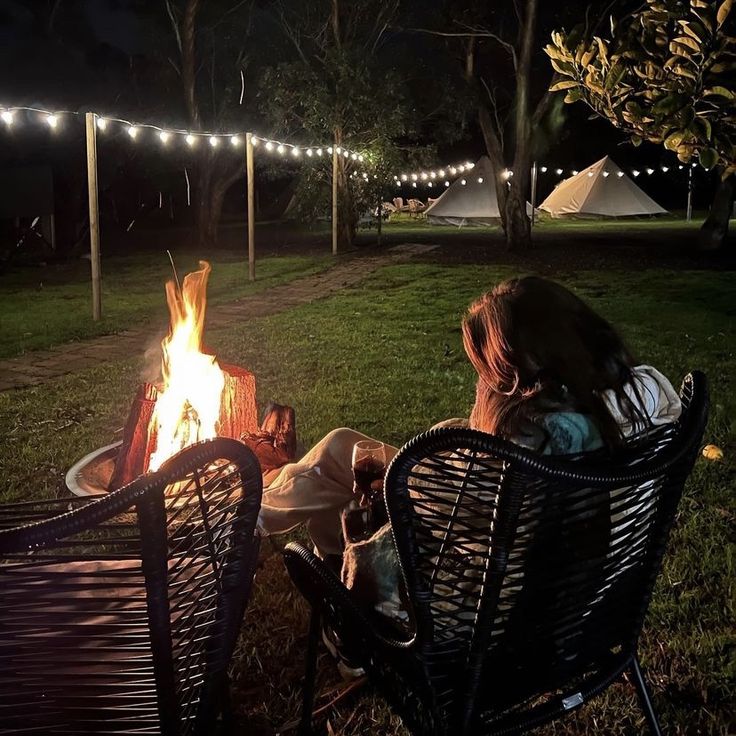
386, 358
40, 307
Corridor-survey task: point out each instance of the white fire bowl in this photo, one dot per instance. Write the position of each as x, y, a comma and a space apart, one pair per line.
91, 475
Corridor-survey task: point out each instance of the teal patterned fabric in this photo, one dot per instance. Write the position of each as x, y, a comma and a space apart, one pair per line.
568, 433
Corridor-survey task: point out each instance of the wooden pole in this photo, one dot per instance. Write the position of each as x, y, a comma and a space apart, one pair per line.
251, 207
94, 215
335, 168
534, 190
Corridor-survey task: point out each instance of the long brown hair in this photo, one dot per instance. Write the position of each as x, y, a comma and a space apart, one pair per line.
538, 348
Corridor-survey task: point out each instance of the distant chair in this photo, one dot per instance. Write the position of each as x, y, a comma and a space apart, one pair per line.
416, 207
399, 203
119, 614
528, 576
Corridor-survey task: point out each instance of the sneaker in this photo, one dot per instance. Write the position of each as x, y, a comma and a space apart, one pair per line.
348, 670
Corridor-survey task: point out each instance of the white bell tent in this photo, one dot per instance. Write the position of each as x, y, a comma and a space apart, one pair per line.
602, 189
470, 200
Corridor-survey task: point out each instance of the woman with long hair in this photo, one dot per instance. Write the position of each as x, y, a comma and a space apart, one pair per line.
553, 376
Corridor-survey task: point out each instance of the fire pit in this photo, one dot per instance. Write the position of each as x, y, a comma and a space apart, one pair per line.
197, 399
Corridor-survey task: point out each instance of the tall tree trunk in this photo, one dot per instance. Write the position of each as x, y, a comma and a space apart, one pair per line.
518, 226
715, 228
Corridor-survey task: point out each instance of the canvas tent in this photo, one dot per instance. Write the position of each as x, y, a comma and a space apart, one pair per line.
602, 189
473, 202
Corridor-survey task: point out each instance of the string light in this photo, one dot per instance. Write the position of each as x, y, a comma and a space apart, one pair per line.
558, 172
309, 152
543, 169
665, 169
447, 183
339, 150
164, 136
235, 140
329, 150
605, 174
295, 151
191, 139
52, 120
575, 172
480, 180
269, 146
132, 131
214, 140
254, 141
354, 156
102, 123
463, 182
650, 171
7, 117
635, 173
319, 151
620, 174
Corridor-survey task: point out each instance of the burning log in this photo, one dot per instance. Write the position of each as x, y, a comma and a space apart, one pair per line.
238, 409
139, 437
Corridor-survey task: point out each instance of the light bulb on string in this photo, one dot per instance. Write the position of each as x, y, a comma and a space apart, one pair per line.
665, 169
463, 182
461, 168
235, 141
430, 184
424, 176
102, 123
52, 120
480, 180
469, 165
447, 183
620, 174
360, 157
132, 131
635, 173
354, 156
191, 139
339, 150
7, 116
164, 136
605, 174
404, 177
329, 150
269, 146
432, 174
543, 169
280, 148
574, 172
319, 151
345, 153
414, 177
214, 141
558, 172
295, 151
254, 141
650, 171
309, 152
590, 173
453, 170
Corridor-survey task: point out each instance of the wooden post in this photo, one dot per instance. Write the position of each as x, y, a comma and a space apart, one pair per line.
94, 214
335, 168
534, 190
689, 192
251, 207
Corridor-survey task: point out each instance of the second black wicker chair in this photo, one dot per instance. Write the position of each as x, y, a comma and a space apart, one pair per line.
528, 577
120, 614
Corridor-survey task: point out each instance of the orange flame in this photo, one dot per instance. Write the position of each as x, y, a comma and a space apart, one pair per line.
188, 408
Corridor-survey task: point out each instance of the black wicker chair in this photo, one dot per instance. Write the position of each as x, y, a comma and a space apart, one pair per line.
119, 614
528, 577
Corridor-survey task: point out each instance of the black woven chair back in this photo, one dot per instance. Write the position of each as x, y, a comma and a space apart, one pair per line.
120, 614
528, 574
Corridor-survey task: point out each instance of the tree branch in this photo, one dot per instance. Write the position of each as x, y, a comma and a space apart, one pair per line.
174, 23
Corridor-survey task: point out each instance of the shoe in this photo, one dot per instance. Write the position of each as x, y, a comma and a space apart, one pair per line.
348, 670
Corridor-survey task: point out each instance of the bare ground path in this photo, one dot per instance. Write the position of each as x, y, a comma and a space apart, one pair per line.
37, 367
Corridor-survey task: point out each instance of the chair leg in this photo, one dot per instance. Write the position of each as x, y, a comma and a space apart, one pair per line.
310, 673
645, 698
